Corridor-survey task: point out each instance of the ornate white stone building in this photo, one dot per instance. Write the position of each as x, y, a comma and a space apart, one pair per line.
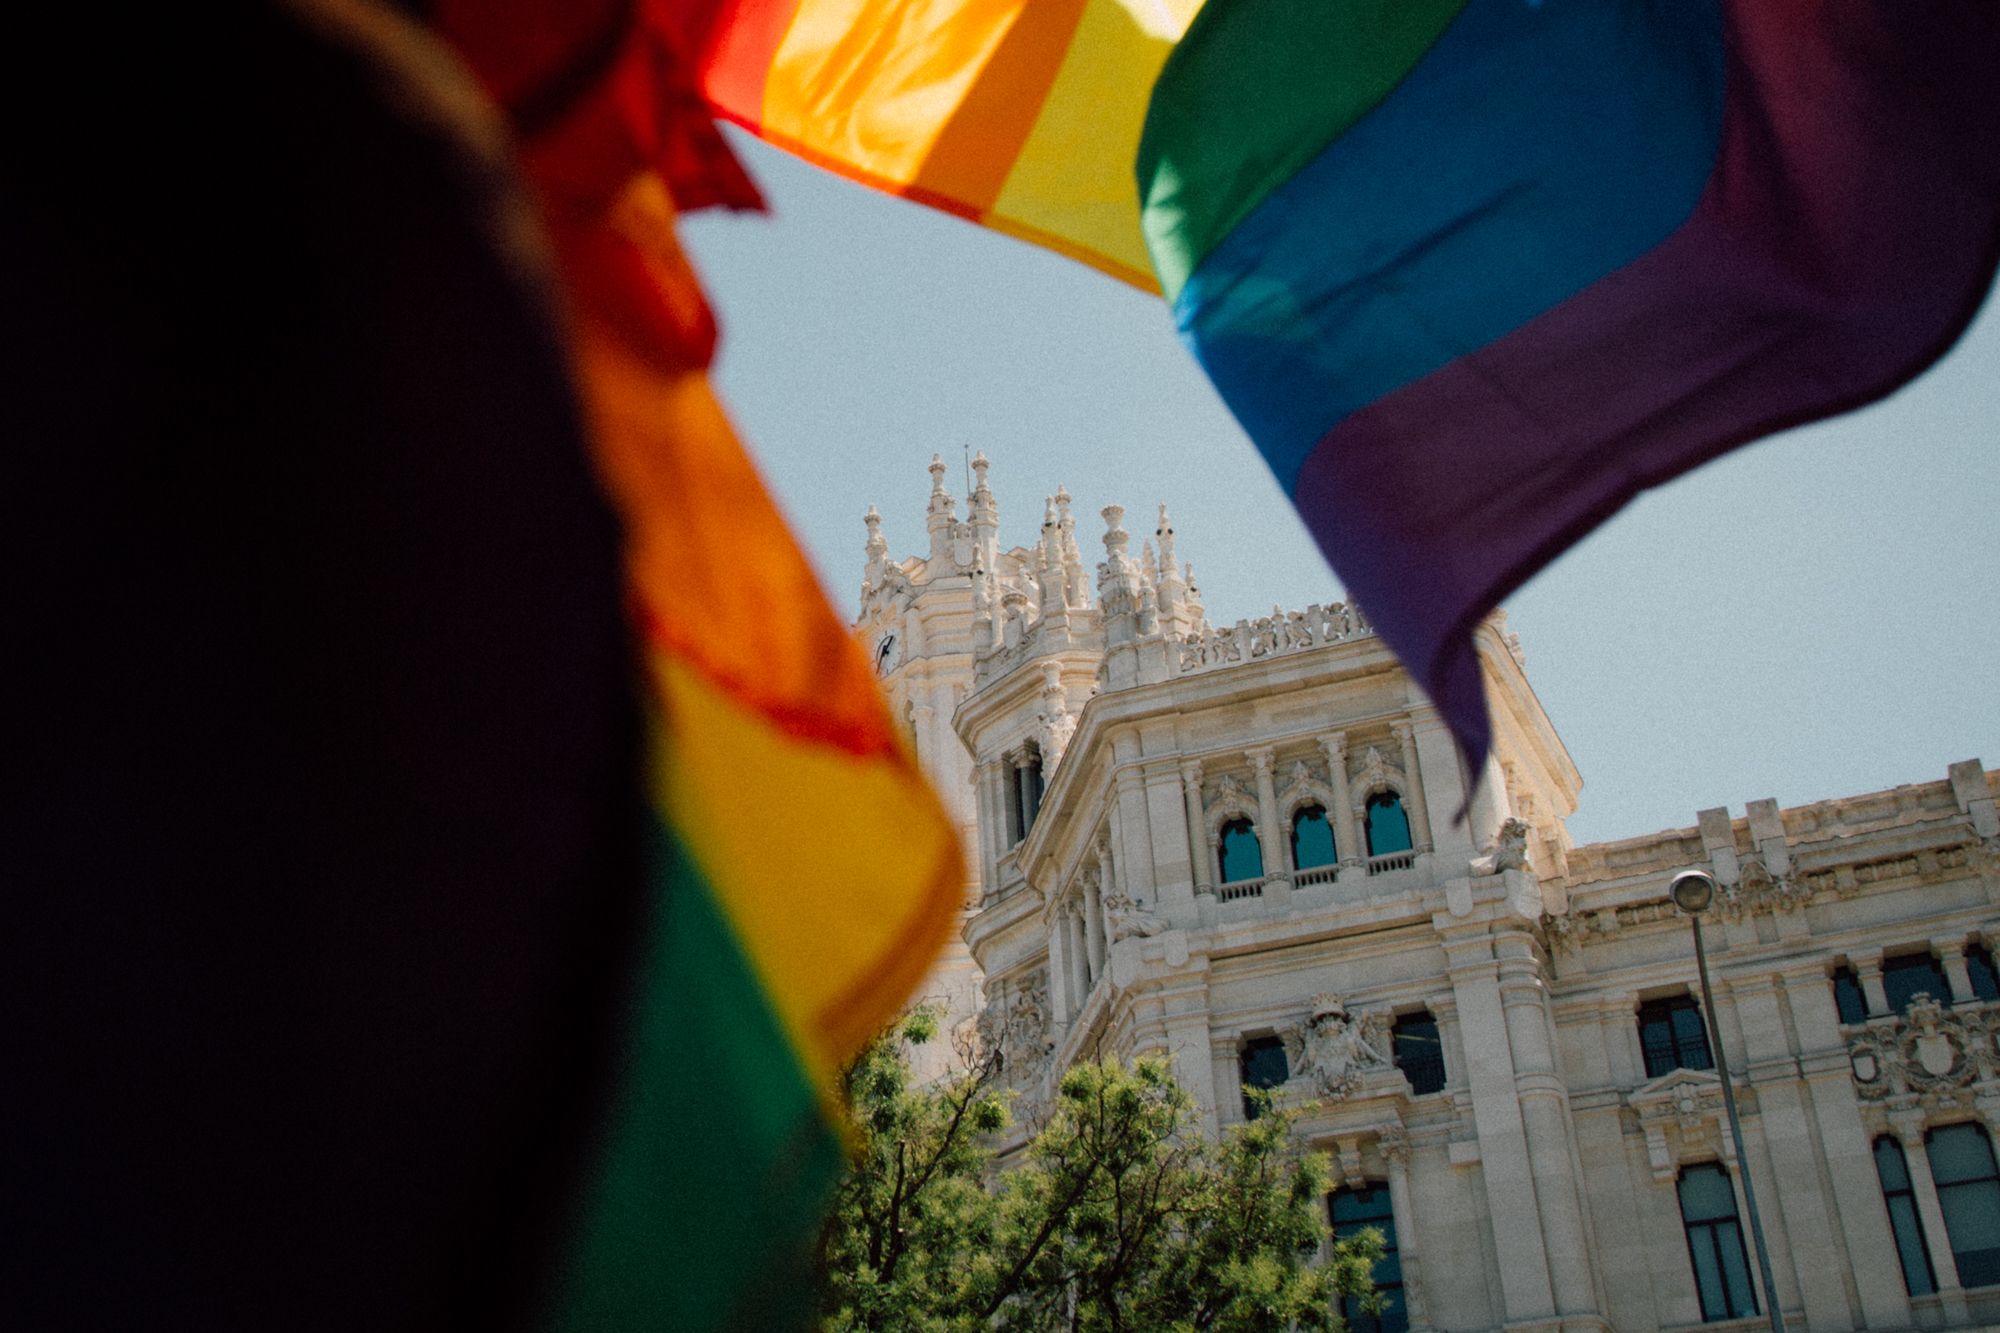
1237, 844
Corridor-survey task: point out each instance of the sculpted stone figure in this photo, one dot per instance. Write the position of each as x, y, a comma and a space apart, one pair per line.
1123, 917
1510, 850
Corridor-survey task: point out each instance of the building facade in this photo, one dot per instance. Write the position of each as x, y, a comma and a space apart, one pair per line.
1241, 845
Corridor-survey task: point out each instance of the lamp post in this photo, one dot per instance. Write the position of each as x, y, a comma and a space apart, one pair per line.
1693, 891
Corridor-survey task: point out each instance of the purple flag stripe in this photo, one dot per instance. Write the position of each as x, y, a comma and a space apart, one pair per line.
1846, 238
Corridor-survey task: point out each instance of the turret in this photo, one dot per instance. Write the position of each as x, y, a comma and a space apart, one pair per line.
942, 515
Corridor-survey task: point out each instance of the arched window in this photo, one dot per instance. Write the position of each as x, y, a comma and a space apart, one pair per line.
1352, 1208
1388, 825
1312, 838
1239, 853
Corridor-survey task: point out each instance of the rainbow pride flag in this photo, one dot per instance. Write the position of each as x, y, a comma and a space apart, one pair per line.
805, 873
1471, 273
1021, 115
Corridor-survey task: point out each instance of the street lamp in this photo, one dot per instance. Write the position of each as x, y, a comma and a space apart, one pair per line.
1693, 891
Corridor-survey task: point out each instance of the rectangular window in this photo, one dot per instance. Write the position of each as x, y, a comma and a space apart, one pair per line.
1353, 1210
1715, 1244
1418, 1052
1904, 1221
1847, 995
1671, 1036
1261, 1066
1968, 1193
1914, 974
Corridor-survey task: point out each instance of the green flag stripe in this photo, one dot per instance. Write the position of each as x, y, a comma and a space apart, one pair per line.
1253, 92
719, 1157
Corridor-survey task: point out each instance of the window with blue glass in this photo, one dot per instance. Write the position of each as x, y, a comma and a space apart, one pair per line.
1671, 1036
1239, 853
1968, 1194
1387, 824
1354, 1210
1715, 1244
1913, 974
1312, 838
1905, 1223
1261, 1066
1979, 966
1847, 995
1413, 1041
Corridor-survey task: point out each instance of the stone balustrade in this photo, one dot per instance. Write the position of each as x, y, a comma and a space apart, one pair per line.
1268, 636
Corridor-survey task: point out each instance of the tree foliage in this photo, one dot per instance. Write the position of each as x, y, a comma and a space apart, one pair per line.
1117, 1216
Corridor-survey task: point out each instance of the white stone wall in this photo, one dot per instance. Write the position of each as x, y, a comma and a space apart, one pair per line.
1536, 1190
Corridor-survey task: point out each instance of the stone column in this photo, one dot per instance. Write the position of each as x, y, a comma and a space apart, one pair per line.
983, 782
1909, 1129
1951, 957
1420, 811
1228, 1082
1079, 961
1062, 1003
1267, 814
1093, 925
1868, 970
1395, 1146
1197, 827
1521, 1256
1784, 1131
1346, 836
1488, 808
1544, 1103
1868, 1250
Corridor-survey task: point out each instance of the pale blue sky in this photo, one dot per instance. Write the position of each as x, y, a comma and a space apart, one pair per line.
1816, 615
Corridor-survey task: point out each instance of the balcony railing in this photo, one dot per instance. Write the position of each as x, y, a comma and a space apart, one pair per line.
1241, 888
1305, 879
1382, 865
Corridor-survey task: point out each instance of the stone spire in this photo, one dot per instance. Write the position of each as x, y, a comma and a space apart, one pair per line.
877, 551
1052, 604
1172, 590
984, 515
943, 513
1076, 582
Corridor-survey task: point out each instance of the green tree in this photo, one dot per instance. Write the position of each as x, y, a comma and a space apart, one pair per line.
1116, 1217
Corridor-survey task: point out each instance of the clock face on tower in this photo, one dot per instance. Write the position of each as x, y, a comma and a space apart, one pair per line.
886, 655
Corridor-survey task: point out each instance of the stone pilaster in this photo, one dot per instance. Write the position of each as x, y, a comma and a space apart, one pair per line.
1268, 834
1544, 1114
1197, 830
1346, 836
1523, 1259
1420, 810
1951, 957
1395, 1146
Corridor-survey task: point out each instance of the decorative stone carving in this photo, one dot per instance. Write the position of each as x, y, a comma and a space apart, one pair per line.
1015, 1022
1557, 932
1303, 787
1054, 724
1124, 918
1758, 890
1678, 1112
1930, 1054
1510, 850
1335, 1048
